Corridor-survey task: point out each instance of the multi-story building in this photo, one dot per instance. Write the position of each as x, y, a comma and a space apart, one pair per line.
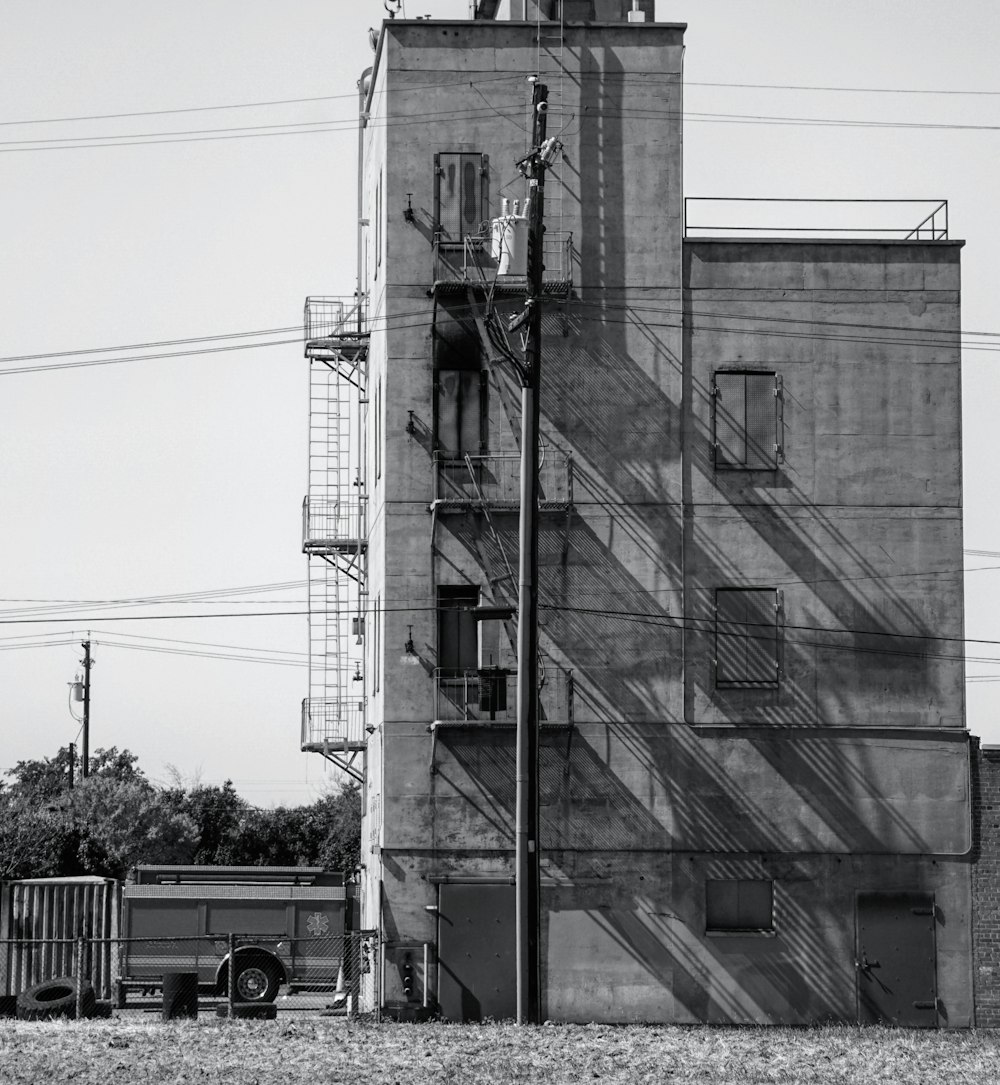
754, 770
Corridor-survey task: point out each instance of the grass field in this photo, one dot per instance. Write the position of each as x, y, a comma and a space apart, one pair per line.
350, 1053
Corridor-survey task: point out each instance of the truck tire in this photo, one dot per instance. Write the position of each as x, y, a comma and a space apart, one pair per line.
257, 980
55, 998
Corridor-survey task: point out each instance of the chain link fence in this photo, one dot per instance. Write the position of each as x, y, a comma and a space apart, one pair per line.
328, 974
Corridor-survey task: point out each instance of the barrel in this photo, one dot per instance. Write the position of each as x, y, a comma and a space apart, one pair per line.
180, 995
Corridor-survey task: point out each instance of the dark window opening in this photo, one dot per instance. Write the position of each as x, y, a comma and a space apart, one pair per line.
461, 195
747, 640
462, 406
746, 420
458, 630
739, 905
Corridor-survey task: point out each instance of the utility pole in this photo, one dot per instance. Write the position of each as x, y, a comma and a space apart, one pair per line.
85, 752
527, 867
72, 763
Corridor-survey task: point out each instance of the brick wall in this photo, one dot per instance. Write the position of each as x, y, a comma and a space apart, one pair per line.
986, 884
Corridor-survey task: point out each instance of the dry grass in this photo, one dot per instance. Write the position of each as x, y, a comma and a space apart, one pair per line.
318, 1051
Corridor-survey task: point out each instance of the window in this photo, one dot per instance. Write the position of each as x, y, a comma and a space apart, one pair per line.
379, 225
461, 195
378, 431
746, 420
747, 637
377, 647
739, 905
462, 403
458, 631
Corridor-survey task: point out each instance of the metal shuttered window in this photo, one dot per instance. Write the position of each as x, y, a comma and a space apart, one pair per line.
746, 420
747, 637
461, 195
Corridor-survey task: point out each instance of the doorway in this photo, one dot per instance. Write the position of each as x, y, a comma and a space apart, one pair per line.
476, 951
896, 959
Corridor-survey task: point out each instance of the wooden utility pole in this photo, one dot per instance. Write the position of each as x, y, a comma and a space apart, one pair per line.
85, 745
527, 868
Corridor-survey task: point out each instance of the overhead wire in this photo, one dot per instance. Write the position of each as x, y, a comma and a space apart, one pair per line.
349, 124
415, 319
235, 105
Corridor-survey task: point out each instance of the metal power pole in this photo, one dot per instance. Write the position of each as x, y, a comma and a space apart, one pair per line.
527, 869
85, 750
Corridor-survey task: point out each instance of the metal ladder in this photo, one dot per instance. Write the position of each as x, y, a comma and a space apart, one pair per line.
335, 529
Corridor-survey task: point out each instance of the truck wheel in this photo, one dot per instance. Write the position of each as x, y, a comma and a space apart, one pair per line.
55, 998
257, 980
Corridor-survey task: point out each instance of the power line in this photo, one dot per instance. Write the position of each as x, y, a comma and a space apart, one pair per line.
174, 599
640, 77
150, 345
183, 109
192, 653
239, 105
336, 125
402, 321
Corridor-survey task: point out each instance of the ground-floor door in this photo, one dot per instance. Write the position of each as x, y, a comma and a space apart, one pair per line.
896, 959
476, 951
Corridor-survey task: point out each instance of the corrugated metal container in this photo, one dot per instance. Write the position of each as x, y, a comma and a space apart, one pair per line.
41, 922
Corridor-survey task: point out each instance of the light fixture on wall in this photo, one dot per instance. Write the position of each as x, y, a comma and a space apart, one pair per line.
408, 210
408, 647
357, 676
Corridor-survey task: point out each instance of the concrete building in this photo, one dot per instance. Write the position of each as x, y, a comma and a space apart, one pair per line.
755, 798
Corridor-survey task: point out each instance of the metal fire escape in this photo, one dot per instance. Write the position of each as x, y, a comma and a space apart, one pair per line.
334, 530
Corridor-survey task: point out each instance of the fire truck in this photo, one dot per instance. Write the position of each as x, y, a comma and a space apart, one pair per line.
287, 926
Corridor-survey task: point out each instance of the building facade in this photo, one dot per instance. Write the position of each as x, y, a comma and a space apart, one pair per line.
754, 769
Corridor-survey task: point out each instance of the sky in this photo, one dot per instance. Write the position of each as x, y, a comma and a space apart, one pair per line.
129, 480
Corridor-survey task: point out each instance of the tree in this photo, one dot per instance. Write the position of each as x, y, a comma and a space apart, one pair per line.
334, 825
117, 819
220, 816
49, 777
122, 823
35, 842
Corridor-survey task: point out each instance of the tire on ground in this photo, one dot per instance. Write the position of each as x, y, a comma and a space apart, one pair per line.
249, 1011
55, 998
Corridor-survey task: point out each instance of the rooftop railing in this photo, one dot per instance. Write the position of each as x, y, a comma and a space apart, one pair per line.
333, 723
490, 696
495, 480
336, 317
332, 525
870, 220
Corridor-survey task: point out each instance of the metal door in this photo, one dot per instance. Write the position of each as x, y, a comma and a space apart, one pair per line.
897, 981
476, 951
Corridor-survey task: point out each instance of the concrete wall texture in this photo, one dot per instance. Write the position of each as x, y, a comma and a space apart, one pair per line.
826, 757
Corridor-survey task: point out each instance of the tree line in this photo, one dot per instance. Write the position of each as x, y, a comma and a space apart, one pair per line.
117, 819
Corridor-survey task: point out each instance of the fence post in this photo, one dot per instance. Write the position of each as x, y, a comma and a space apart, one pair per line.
426, 958
79, 978
378, 965
231, 984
